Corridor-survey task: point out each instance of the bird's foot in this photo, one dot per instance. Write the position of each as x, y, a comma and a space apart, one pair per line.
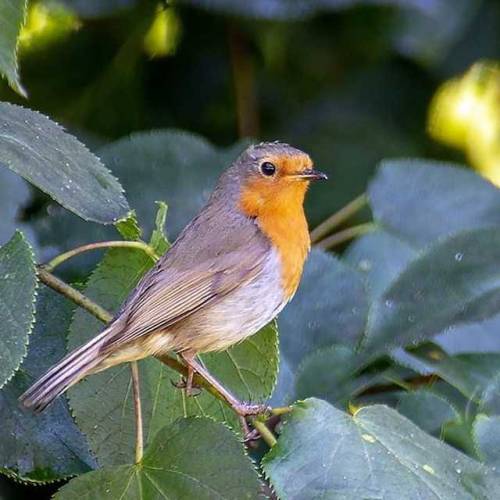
247, 409
191, 390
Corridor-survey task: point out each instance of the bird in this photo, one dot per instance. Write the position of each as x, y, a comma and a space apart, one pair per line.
230, 271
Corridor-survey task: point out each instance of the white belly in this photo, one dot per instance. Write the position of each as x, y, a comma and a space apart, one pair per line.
239, 315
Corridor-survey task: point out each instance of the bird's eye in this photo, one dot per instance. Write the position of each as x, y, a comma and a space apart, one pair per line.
268, 169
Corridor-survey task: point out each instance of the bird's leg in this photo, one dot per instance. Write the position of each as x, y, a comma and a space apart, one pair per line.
242, 409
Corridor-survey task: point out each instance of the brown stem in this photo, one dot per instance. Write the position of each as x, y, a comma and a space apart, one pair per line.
139, 245
139, 437
244, 84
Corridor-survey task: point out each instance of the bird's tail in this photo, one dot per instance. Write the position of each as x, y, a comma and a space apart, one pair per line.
70, 370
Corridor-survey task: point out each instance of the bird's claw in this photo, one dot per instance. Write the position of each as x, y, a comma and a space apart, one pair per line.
194, 390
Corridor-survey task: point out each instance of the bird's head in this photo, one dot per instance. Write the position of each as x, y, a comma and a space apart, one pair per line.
274, 176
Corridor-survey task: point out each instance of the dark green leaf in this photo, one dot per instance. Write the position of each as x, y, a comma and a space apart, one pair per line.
48, 446
427, 409
323, 452
192, 458
380, 257
40, 150
12, 14
421, 201
454, 281
487, 438
17, 303
330, 374
171, 165
329, 308
14, 195
469, 373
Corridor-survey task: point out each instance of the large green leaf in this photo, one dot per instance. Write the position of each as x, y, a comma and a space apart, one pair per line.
427, 409
102, 404
192, 458
12, 14
490, 399
49, 446
17, 300
453, 282
421, 201
40, 150
323, 452
330, 374
380, 257
329, 308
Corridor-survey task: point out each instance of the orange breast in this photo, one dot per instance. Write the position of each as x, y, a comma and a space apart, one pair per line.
281, 218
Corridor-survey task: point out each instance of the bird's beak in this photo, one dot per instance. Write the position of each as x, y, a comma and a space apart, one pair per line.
310, 174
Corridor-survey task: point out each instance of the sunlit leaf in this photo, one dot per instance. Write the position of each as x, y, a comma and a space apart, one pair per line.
12, 14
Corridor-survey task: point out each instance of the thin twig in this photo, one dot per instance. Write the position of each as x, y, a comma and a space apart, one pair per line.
139, 245
139, 437
346, 235
264, 432
72, 294
337, 218
283, 410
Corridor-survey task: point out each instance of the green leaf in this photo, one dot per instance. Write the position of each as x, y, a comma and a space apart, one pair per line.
17, 298
178, 167
420, 201
454, 281
159, 240
427, 409
428, 34
102, 404
14, 195
380, 257
39, 150
192, 458
330, 307
487, 438
129, 227
49, 446
469, 373
330, 374
12, 17
323, 452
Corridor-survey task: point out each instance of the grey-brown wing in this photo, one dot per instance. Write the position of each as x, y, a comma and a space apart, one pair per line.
167, 294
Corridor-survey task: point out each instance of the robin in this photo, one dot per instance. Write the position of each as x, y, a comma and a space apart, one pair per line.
231, 271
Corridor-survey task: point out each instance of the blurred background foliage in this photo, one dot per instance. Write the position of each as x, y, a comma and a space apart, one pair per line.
349, 81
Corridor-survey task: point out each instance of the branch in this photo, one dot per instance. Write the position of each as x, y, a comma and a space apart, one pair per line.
346, 235
264, 432
140, 245
74, 295
139, 437
337, 218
